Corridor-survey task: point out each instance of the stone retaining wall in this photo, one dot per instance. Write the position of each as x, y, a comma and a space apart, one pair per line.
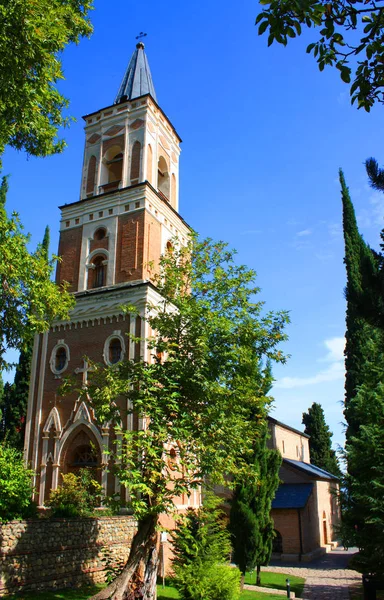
58, 553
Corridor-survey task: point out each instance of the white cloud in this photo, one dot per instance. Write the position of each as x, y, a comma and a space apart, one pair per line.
335, 348
333, 372
304, 232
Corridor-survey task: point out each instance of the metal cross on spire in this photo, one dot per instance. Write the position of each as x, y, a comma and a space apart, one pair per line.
141, 35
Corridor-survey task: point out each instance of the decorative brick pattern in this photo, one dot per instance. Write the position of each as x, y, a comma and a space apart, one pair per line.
60, 553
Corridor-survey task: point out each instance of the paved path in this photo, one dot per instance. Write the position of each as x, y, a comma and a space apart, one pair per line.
327, 578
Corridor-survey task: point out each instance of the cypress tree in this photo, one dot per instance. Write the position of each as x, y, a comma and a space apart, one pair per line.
251, 524
363, 514
322, 454
15, 396
363, 297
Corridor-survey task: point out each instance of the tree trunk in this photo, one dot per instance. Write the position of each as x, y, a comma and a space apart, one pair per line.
258, 580
137, 581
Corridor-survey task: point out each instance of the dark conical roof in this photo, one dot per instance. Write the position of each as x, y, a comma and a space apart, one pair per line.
137, 79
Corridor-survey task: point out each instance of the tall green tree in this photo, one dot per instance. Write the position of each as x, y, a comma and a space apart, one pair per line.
364, 303
349, 36
29, 300
363, 510
15, 397
251, 523
320, 442
198, 395
32, 38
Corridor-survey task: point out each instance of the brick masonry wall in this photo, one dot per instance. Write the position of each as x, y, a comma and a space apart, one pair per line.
59, 553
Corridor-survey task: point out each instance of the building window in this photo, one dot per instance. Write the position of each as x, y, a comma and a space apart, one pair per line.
114, 348
99, 277
163, 177
84, 457
100, 234
115, 351
283, 447
59, 358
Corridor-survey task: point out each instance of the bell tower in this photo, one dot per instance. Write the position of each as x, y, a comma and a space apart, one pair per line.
111, 240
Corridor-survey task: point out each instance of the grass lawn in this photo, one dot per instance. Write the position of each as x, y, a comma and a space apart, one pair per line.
75, 594
169, 593
277, 581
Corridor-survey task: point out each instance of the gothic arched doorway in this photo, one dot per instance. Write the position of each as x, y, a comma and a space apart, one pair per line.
82, 452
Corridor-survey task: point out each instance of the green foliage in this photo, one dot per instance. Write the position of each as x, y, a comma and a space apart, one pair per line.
77, 496
33, 35
15, 485
251, 524
205, 382
350, 33
14, 400
320, 447
201, 548
29, 299
362, 502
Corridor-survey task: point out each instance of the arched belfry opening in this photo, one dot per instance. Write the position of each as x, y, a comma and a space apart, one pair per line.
97, 271
163, 180
112, 168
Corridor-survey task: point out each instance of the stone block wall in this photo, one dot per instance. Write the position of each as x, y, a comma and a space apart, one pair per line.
57, 553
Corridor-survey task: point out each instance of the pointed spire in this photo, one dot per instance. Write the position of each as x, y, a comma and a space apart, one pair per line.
137, 79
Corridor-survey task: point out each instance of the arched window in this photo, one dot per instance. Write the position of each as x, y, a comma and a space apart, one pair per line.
135, 162
84, 456
115, 168
149, 163
91, 175
163, 177
60, 359
99, 272
112, 168
115, 351
100, 234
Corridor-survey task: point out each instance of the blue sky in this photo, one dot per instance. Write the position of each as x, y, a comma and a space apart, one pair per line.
264, 133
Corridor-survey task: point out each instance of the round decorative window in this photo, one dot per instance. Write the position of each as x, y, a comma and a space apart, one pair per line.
114, 348
59, 358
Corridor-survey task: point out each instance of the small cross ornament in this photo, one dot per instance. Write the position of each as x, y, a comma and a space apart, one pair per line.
86, 368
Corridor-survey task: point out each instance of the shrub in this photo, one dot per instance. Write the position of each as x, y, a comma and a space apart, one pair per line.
201, 549
77, 496
15, 485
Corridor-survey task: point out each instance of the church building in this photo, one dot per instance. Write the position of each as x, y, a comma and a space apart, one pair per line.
109, 238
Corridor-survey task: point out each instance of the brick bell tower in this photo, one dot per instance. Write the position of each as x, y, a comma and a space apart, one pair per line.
123, 221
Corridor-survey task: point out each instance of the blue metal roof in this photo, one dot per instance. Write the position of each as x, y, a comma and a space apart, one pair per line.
137, 79
292, 495
310, 470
